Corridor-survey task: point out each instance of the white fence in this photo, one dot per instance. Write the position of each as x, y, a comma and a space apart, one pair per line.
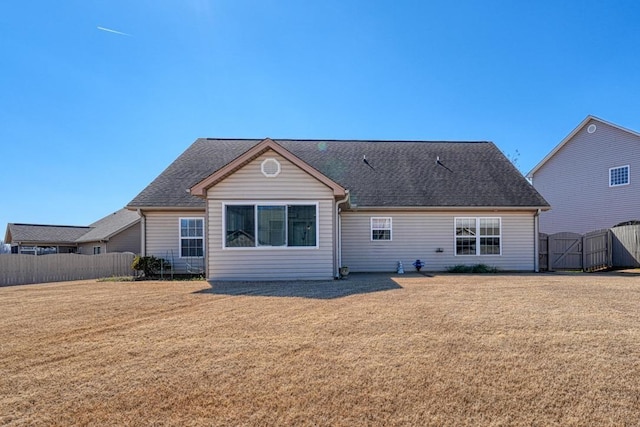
24, 269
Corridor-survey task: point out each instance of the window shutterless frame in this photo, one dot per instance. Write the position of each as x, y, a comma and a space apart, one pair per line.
255, 234
191, 231
619, 175
381, 229
477, 236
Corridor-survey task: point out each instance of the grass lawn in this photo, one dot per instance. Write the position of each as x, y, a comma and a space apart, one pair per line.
371, 350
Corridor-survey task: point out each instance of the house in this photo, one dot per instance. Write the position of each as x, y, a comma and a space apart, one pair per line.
117, 232
40, 239
299, 209
591, 178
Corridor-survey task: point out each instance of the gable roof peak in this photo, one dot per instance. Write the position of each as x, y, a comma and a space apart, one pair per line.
573, 133
267, 144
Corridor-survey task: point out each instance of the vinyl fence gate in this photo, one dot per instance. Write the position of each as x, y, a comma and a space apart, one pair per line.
617, 247
572, 251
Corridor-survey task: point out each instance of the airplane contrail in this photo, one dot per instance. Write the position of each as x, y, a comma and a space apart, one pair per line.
113, 31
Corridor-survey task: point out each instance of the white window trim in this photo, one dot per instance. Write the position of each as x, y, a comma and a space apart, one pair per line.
99, 248
628, 175
257, 203
478, 236
188, 237
371, 229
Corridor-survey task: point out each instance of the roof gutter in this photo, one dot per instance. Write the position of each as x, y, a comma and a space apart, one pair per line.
166, 208
451, 208
536, 241
143, 233
338, 239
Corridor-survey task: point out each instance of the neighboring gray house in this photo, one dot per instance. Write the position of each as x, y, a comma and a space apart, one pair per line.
591, 179
117, 232
300, 209
40, 239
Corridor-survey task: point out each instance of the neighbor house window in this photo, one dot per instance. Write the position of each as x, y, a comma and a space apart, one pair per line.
380, 228
619, 176
96, 250
478, 236
191, 237
272, 225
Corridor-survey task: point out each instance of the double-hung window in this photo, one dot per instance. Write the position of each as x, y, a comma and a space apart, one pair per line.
380, 228
478, 236
191, 237
619, 176
271, 225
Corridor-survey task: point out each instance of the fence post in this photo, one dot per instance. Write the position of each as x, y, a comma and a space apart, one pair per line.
584, 252
543, 251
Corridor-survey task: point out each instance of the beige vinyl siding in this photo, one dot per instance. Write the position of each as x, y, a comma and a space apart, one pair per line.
575, 181
87, 248
417, 235
163, 236
249, 185
67, 249
127, 240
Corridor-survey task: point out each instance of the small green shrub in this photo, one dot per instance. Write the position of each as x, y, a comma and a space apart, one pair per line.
150, 265
478, 268
116, 279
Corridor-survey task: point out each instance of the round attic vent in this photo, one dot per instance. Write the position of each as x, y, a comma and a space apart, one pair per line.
270, 168
592, 128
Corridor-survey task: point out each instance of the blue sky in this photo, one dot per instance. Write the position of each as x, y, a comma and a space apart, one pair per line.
89, 117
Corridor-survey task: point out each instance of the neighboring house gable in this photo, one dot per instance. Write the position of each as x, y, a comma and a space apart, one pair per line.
117, 232
422, 193
591, 179
41, 238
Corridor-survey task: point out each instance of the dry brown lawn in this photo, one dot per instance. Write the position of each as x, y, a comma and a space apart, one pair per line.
372, 350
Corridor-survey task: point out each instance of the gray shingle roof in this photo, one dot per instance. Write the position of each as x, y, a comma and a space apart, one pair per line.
109, 225
66, 234
402, 173
37, 233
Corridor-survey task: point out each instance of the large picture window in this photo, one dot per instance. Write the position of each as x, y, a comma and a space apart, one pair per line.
271, 220
240, 222
478, 236
191, 237
270, 225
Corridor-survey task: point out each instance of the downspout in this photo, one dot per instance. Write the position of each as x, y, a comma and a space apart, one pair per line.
536, 241
338, 239
143, 233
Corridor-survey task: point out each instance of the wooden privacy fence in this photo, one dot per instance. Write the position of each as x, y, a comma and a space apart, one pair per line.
617, 247
626, 246
25, 269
